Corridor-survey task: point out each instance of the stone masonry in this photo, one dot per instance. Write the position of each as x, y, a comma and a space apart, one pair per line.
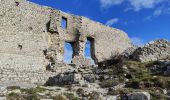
32, 39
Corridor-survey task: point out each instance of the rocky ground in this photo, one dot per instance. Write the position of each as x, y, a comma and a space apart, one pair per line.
128, 79
119, 78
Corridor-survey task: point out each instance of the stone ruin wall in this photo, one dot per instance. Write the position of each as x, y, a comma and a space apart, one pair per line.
30, 35
106, 41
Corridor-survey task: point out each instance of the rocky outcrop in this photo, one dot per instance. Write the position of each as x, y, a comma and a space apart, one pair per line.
128, 52
154, 50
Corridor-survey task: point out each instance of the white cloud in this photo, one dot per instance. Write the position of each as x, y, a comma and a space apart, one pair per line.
161, 10
158, 11
140, 4
135, 5
112, 21
137, 41
108, 3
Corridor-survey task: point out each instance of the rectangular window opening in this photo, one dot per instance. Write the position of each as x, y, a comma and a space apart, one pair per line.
89, 50
68, 52
64, 23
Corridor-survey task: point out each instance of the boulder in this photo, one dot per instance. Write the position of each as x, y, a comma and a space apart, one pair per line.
3, 90
168, 92
65, 79
90, 78
128, 52
109, 97
167, 72
139, 96
2, 98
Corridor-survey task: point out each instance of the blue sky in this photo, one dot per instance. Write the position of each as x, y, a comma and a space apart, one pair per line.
142, 20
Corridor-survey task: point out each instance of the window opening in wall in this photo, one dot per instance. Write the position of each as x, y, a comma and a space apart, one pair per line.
64, 23
68, 53
89, 50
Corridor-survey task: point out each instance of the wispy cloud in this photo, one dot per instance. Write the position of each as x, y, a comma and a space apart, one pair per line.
108, 3
140, 4
137, 41
135, 5
161, 10
112, 21
158, 12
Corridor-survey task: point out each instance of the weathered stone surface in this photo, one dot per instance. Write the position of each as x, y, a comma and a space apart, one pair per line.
2, 98
90, 78
65, 79
110, 98
168, 93
79, 61
154, 50
139, 96
17, 83
3, 90
167, 72
127, 54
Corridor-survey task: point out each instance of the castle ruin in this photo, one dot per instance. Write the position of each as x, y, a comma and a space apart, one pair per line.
32, 38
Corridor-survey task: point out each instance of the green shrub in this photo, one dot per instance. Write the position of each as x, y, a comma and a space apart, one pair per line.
94, 96
80, 92
33, 90
13, 87
120, 91
157, 95
71, 96
13, 96
158, 82
31, 94
108, 83
31, 97
59, 97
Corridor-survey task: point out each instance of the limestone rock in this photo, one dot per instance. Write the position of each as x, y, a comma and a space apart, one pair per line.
3, 90
168, 92
139, 96
154, 50
167, 72
90, 78
81, 61
65, 79
110, 98
128, 52
2, 98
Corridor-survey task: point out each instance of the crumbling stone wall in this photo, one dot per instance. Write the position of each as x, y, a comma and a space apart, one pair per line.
32, 38
106, 41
